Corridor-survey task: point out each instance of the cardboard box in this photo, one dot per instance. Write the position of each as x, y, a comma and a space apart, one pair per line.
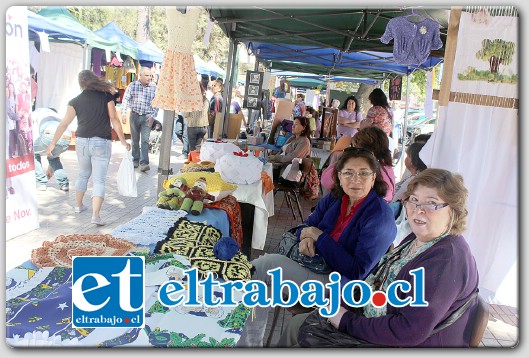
255, 140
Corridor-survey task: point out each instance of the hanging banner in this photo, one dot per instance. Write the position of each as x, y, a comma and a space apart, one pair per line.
21, 204
395, 89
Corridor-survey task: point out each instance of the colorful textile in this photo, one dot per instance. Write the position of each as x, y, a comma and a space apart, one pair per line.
230, 205
268, 183
59, 252
38, 312
195, 241
198, 167
187, 233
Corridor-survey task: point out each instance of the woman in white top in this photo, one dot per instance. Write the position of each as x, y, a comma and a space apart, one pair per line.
349, 118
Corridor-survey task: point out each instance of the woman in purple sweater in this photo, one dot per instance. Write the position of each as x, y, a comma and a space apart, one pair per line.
436, 208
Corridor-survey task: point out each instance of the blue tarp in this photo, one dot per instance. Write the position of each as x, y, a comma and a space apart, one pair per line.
128, 46
329, 61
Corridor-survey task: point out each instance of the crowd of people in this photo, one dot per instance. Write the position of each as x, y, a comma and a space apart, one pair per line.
352, 226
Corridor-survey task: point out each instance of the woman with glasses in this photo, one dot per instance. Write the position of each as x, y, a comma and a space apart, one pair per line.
435, 203
376, 141
352, 227
349, 118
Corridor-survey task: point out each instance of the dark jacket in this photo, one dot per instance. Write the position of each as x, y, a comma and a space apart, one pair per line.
450, 277
364, 240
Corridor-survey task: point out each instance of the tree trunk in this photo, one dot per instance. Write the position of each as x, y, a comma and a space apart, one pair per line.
143, 27
494, 64
363, 93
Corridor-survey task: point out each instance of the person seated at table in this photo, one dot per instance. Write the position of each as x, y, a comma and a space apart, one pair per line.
297, 146
352, 227
375, 140
435, 202
349, 118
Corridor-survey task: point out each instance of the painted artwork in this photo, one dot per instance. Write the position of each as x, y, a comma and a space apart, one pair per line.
488, 57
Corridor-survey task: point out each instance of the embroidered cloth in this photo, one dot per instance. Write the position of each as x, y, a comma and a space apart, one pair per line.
412, 41
38, 312
232, 208
59, 252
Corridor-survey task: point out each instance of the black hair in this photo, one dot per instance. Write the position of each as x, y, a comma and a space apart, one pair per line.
379, 186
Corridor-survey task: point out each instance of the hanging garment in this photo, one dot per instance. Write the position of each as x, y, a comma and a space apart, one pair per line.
412, 41
177, 88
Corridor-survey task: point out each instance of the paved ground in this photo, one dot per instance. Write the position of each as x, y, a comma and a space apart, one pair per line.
57, 217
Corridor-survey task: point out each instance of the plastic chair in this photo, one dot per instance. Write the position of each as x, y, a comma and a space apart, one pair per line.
479, 322
292, 189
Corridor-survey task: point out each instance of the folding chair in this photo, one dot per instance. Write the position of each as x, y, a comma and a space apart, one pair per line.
292, 189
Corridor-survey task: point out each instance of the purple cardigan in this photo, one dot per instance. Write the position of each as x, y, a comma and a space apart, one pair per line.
451, 276
364, 240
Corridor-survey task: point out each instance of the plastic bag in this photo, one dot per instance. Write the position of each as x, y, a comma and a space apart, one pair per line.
293, 172
126, 177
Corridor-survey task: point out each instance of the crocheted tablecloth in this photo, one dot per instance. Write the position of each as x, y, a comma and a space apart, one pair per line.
59, 252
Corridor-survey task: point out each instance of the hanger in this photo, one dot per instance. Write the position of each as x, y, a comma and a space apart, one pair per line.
414, 17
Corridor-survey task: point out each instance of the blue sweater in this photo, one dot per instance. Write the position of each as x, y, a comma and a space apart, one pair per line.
364, 240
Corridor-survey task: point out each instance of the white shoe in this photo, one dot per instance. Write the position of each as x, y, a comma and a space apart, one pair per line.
80, 209
97, 220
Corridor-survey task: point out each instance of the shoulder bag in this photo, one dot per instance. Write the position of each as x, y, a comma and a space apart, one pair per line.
289, 247
318, 332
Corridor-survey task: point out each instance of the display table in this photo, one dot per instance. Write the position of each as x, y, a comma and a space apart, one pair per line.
39, 300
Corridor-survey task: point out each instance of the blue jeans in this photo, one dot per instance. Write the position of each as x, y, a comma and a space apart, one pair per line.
140, 132
180, 130
195, 135
93, 155
40, 146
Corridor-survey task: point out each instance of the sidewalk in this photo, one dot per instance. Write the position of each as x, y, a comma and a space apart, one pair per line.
56, 214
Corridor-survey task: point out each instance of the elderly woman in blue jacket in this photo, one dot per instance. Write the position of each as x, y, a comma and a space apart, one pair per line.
352, 227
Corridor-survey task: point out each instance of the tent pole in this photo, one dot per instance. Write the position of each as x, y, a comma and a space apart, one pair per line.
86, 56
164, 162
405, 122
232, 52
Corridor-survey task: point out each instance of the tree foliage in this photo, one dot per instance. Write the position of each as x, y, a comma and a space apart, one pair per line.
498, 48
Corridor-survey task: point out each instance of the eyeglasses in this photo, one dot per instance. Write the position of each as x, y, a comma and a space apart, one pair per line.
350, 174
428, 208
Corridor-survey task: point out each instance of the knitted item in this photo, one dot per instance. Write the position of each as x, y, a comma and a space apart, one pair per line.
195, 241
59, 253
149, 227
214, 181
226, 248
198, 167
232, 208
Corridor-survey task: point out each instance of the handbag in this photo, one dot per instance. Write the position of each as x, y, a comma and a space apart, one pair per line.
317, 331
292, 172
289, 247
126, 177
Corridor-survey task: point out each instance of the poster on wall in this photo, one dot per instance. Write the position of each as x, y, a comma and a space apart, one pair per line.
395, 89
254, 84
21, 204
